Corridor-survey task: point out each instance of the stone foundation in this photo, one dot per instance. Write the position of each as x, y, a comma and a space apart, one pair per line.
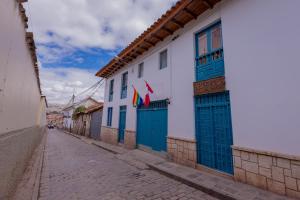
270, 171
16, 149
109, 135
182, 151
130, 139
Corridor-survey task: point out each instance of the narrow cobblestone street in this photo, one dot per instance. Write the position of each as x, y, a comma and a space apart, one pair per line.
74, 169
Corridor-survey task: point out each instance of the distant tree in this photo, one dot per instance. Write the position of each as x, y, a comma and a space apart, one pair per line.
78, 110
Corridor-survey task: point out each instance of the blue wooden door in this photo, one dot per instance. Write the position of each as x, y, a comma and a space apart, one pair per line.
214, 131
122, 123
95, 127
152, 126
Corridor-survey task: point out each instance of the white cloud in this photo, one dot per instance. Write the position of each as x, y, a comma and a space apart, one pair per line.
105, 24
58, 84
61, 27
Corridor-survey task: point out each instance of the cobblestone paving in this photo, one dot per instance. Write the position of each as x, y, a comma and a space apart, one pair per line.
76, 170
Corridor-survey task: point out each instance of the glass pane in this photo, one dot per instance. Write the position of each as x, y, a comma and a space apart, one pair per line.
141, 70
202, 42
124, 79
111, 86
216, 38
163, 59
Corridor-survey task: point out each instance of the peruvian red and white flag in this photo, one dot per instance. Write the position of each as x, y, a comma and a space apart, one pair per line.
149, 88
147, 96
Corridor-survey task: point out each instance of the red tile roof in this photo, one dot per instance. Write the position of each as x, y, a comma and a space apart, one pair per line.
175, 18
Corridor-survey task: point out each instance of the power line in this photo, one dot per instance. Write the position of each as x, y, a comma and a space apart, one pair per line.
90, 88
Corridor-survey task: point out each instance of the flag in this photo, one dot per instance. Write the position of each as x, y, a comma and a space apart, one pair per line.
148, 87
147, 100
137, 99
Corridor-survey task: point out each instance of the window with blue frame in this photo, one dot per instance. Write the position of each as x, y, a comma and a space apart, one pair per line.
209, 53
111, 90
124, 85
109, 116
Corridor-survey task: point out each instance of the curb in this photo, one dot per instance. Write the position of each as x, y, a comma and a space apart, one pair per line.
36, 190
107, 149
202, 188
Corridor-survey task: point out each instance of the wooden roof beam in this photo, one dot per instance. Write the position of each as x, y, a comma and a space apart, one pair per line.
169, 31
157, 37
144, 48
148, 42
190, 13
207, 3
176, 22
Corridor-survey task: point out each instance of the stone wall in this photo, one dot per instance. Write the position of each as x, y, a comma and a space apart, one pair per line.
270, 171
16, 149
130, 139
182, 151
109, 135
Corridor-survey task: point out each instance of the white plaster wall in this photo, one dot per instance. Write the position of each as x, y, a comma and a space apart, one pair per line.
261, 48
158, 79
41, 118
19, 93
174, 82
68, 122
261, 43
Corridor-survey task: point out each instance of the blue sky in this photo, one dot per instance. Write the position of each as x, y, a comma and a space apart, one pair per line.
75, 38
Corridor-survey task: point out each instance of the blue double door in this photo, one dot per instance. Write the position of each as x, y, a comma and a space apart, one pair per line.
122, 123
152, 126
214, 131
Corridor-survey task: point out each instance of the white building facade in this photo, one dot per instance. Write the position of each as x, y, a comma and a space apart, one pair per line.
224, 99
68, 111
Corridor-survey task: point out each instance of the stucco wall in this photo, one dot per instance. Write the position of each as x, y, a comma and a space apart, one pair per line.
261, 47
22, 109
16, 149
261, 43
19, 92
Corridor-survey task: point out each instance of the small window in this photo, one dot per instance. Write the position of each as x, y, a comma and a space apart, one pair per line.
109, 116
124, 85
111, 90
141, 70
163, 59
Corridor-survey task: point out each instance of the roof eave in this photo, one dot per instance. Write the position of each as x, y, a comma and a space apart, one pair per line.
174, 19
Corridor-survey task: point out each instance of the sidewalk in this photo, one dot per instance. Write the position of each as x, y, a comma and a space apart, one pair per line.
28, 187
213, 185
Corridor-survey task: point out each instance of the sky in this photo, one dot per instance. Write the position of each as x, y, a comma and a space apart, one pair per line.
75, 38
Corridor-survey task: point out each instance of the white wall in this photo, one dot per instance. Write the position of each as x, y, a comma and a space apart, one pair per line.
158, 79
19, 92
261, 43
261, 48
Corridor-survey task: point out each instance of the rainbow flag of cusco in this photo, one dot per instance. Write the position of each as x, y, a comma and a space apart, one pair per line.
137, 99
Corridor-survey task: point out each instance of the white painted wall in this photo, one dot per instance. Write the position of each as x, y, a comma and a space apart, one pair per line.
261, 44
261, 47
19, 92
41, 118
